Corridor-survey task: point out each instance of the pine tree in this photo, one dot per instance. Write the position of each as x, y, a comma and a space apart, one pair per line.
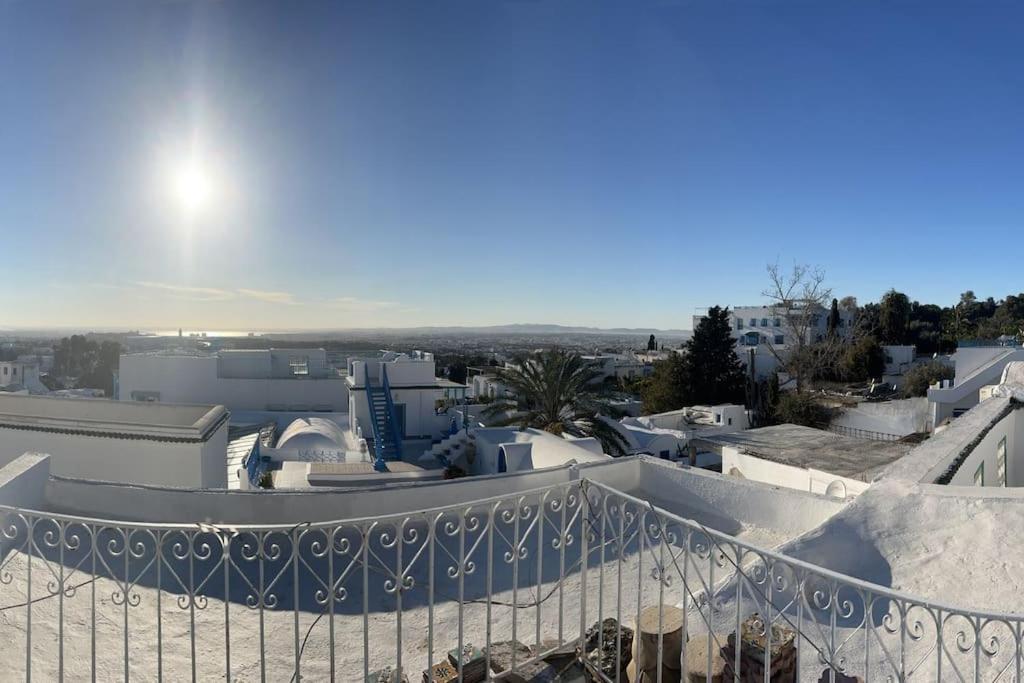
833, 318
714, 372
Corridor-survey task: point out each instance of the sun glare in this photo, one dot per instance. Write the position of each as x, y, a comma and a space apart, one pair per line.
193, 186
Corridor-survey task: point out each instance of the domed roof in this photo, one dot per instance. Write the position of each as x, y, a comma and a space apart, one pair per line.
312, 433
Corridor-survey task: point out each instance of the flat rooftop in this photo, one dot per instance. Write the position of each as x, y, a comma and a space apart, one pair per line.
105, 417
805, 447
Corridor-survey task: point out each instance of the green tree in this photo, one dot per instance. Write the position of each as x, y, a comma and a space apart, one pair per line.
707, 372
666, 389
920, 377
457, 372
802, 409
713, 370
894, 317
652, 344
554, 390
862, 360
833, 318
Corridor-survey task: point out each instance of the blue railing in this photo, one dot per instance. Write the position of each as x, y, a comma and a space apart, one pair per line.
378, 437
255, 465
396, 437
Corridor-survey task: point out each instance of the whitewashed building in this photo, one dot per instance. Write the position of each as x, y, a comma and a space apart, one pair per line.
976, 367
274, 380
138, 443
398, 404
23, 374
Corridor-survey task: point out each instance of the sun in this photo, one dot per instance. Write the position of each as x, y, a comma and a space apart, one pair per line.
193, 186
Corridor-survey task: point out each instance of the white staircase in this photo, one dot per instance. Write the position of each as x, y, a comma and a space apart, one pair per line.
448, 450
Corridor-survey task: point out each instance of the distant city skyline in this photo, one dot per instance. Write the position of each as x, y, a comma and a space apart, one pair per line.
326, 165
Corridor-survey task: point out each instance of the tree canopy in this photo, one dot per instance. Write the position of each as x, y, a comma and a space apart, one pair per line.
707, 372
554, 390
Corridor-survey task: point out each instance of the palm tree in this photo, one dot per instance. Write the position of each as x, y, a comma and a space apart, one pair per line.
554, 390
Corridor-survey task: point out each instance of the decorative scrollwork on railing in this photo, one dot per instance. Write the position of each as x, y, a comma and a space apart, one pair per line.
543, 556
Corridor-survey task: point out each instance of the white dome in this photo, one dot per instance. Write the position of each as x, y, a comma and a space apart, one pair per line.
312, 433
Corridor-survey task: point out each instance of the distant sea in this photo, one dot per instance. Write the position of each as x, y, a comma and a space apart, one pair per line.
208, 333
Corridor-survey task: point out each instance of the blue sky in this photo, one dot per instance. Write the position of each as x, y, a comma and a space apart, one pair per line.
611, 164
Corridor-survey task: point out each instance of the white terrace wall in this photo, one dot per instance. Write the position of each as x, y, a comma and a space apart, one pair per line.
161, 504
902, 417
736, 502
140, 461
23, 482
777, 474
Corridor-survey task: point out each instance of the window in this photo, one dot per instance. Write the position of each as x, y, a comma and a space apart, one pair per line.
1001, 462
764, 322
753, 322
14, 371
5, 369
730, 420
979, 475
779, 339
299, 365
718, 418
739, 323
664, 455
777, 322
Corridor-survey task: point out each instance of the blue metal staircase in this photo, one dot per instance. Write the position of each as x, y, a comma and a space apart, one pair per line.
387, 441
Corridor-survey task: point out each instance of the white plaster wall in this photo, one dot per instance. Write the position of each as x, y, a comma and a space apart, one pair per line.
1010, 428
159, 504
746, 503
124, 460
189, 379
778, 474
23, 482
902, 417
975, 368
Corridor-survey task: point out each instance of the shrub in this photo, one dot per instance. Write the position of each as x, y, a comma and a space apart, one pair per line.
920, 377
802, 409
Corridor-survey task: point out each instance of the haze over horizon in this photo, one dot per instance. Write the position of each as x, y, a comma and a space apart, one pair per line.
256, 165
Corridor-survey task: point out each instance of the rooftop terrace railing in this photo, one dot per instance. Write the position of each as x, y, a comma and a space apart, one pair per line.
516, 583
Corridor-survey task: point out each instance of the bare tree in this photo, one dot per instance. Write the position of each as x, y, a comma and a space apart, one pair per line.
800, 299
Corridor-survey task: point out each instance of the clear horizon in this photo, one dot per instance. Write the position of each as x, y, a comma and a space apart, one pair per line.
240, 165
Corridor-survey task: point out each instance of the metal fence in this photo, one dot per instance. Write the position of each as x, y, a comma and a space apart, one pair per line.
864, 433
517, 579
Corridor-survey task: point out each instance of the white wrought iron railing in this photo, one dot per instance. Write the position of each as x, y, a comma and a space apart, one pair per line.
518, 581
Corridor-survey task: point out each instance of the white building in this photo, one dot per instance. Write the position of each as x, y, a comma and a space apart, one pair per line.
180, 445
398, 404
668, 435
976, 368
21, 373
487, 385
753, 325
275, 380
617, 366
898, 359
